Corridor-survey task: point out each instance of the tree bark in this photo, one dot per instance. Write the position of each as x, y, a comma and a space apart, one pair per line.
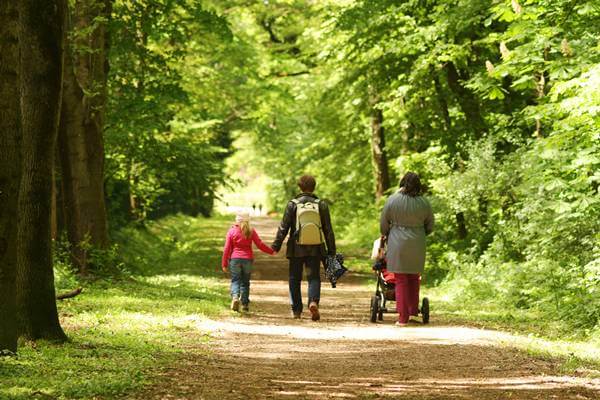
466, 99
81, 144
461, 225
443, 104
69, 295
10, 161
378, 152
540, 93
41, 36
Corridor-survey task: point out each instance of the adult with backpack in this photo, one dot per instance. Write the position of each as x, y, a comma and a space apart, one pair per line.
311, 238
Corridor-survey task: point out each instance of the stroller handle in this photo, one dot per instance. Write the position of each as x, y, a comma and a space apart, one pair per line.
382, 241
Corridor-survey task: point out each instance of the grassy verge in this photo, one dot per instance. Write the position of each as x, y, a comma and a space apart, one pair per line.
577, 350
122, 331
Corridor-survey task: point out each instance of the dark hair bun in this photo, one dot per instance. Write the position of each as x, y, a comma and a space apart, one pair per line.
411, 184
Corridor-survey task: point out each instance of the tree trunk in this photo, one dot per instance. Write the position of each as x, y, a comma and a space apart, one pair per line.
540, 93
54, 208
466, 99
378, 152
81, 130
443, 104
461, 224
10, 132
41, 36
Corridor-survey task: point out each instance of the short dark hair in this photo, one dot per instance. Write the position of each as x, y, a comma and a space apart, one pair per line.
411, 184
307, 183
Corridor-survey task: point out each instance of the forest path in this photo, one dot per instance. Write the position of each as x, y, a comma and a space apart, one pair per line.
265, 354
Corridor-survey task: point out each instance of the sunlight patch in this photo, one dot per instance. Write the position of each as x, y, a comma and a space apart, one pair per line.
437, 335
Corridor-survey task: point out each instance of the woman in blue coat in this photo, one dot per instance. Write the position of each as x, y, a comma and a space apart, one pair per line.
405, 220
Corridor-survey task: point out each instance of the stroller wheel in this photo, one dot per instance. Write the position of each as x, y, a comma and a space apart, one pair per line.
425, 310
374, 308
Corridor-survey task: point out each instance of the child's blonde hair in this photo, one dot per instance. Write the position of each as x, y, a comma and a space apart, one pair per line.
246, 229
243, 220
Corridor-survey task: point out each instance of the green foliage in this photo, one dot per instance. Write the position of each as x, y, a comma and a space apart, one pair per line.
166, 138
107, 262
495, 105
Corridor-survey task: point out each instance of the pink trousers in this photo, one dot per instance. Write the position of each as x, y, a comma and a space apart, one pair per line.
407, 295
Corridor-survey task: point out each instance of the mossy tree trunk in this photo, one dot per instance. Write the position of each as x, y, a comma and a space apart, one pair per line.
378, 150
81, 145
41, 37
10, 162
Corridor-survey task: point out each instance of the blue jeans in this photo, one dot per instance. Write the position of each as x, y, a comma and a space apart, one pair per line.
313, 268
240, 270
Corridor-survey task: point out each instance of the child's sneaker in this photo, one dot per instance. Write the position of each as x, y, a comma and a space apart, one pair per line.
235, 304
245, 307
296, 315
314, 311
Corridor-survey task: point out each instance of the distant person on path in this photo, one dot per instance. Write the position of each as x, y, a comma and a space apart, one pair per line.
238, 258
406, 219
311, 238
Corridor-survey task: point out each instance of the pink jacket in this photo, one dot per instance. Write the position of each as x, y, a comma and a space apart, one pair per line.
238, 246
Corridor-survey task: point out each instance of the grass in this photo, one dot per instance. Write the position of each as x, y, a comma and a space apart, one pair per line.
530, 331
122, 331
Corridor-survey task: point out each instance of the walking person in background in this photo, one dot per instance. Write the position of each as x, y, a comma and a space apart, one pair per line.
311, 238
238, 258
406, 219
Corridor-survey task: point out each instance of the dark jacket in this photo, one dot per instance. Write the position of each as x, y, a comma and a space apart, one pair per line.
288, 224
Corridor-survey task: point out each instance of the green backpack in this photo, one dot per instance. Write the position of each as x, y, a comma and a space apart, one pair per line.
308, 223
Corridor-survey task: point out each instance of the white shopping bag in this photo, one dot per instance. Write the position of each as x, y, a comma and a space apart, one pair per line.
376, 247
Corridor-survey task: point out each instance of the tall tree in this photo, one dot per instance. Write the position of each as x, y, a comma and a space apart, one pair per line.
41, 36
9, 171
81, 144
466, 98
378, 151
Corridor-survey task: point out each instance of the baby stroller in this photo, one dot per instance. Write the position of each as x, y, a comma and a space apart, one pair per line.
386, 286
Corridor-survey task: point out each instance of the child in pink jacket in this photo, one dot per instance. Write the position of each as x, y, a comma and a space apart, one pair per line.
238, 257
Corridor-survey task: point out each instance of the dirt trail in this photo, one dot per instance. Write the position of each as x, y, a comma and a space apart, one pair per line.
267, 355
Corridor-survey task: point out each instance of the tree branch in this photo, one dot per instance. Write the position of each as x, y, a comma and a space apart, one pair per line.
70, 294
283, 74
267, 25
